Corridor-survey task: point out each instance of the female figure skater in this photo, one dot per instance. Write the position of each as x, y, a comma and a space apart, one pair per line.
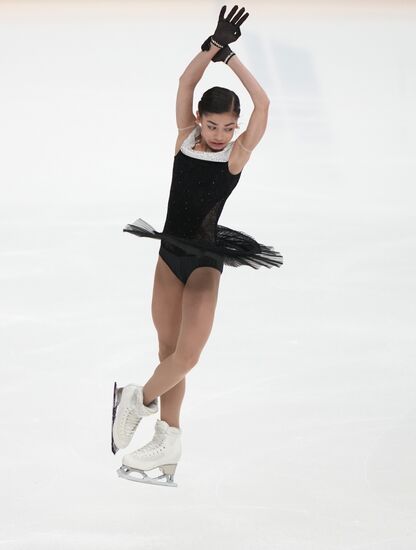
207, 167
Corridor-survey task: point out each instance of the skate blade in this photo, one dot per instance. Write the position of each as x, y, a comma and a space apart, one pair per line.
116, 401
131, 474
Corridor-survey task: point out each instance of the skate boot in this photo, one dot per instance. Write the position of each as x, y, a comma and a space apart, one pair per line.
163, 452
128, 410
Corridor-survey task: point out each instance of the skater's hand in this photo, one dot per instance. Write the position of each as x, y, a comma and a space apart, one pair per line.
228, 29
225, 54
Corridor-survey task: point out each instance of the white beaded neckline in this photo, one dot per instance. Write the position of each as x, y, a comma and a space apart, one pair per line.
189, 142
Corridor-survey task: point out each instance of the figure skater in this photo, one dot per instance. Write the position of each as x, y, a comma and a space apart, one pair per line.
193, 249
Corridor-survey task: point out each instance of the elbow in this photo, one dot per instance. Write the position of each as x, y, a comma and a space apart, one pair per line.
263, 103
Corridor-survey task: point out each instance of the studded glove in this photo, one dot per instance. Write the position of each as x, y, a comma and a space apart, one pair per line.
225, 54
228, 29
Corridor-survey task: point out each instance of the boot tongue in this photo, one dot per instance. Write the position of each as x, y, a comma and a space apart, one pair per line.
134, 399
161, 426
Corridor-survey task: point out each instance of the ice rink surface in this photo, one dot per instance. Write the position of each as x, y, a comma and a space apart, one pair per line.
299, 421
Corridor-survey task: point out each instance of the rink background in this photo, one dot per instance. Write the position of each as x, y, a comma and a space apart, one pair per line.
299, 420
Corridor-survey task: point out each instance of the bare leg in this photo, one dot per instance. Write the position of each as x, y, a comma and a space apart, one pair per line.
167, 315
198, 307
167, 374
171, 401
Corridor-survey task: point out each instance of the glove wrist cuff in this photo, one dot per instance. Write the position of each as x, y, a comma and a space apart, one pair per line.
229, 56
213, 41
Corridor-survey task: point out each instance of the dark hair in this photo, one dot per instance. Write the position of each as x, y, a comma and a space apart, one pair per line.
219, 100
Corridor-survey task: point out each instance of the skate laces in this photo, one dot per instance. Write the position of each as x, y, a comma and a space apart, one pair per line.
130, 421
156, 443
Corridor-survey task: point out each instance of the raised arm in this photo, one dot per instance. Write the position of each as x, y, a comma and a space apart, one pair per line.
185, 118
258, 119
227, 31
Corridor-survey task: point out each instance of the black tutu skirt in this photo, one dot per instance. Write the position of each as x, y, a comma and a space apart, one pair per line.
235, 248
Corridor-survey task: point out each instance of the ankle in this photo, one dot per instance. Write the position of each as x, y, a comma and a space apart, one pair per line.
173, 423
146, 400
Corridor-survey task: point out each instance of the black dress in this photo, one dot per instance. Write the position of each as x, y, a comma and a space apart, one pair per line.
201, 184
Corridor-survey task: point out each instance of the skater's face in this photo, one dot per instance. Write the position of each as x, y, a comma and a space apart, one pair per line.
217, 129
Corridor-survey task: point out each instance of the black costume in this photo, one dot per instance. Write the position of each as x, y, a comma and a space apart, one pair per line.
201, 184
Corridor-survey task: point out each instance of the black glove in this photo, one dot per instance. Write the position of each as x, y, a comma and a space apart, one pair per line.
225, 54
228, 29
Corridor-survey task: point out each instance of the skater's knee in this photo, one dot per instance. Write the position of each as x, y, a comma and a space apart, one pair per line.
186, 360
165, 349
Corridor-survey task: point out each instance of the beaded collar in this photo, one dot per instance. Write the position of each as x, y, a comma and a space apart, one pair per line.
189, 142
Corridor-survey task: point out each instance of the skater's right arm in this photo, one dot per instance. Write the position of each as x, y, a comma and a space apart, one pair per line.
185, 119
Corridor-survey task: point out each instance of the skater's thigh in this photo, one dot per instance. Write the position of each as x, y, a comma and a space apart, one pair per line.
198, 309
166, 305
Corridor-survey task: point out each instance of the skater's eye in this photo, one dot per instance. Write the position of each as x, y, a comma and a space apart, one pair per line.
213, 128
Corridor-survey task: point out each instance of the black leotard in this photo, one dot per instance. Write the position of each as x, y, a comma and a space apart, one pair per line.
201, 184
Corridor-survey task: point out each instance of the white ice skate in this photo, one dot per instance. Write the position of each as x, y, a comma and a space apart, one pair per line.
128, 410
163, 452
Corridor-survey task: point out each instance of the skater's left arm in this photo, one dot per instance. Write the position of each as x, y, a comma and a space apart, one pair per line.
258, 119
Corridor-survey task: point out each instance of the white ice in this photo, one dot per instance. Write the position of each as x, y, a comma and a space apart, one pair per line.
299, 421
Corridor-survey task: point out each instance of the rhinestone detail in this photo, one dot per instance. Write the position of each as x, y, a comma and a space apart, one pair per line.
189, 142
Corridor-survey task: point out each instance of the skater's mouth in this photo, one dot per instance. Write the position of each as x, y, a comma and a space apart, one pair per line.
217, 144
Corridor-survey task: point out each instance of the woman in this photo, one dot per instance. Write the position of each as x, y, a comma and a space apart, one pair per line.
193, 249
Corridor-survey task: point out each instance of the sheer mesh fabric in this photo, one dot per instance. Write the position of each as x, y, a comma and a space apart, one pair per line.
236, 248
198, 193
